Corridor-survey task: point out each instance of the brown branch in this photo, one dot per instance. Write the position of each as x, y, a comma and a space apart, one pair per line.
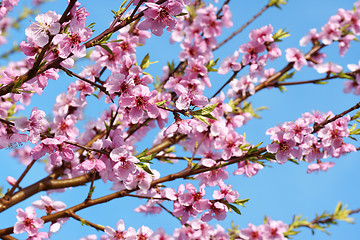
182, 174
317, 127
69, 72
86, 222
27, 169
275, 77
226, 83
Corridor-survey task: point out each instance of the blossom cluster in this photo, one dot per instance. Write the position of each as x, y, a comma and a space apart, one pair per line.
207, 127
298, 140
272, 229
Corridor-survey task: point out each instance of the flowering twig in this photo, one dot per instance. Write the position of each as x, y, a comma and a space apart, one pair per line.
242, 27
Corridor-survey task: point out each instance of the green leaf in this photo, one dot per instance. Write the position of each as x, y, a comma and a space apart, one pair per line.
83, 222
276, 3
241, 202
282, 89
148, 158
321, 82
280, 34
106, 48
353, 127
346, 76
144, 167
145, 62
160, 103
269, 156
201, 118
232, 207
143, 153
205, 110
209, 66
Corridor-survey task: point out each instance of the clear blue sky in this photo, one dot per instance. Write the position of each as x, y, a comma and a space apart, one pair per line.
280, 191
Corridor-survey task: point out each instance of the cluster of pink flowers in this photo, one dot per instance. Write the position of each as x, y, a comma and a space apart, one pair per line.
6, 6
134, 107
271, 230
297, 140
194, 230
261, 40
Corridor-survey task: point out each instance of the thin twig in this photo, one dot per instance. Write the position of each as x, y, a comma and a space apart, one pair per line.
242, 27
16, 185
86, 222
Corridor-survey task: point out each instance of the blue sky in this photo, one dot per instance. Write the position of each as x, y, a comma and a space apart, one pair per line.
279, 191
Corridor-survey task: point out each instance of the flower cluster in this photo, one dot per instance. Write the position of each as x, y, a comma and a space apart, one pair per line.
297, 139
271, 230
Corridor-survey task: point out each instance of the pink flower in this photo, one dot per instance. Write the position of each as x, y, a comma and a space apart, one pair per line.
36, 124
27, 221
323, 166
141, 102
38, 236
252, 232
92, 163
284, 149
230, 63
11, 180
144, 233
275, 229
70, 43
216, 210
124, 162
312, 36
229, 145
328, 68
49, 205
38, 31
250, 169
225, 192
120, 232
157, 17
297, 57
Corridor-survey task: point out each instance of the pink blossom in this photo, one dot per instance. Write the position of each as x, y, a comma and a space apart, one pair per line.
344, 44
38, 236
141, 102
330, 32
49, 205
275, 229
225, 192
11, 180
284, 149
230, 63
216, 210
229, 145
312, 36
157, 17
250, 169
70, 43
78, 18
144, 233
92, 163
120, 232
124, 162
27, 221
36, 124
323, 166
328, 68
38, 31
149, 208
297, 57
252, 232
